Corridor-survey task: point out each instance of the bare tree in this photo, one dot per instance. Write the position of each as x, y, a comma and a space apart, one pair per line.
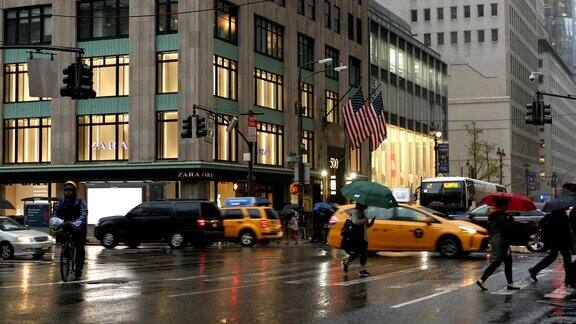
479, 162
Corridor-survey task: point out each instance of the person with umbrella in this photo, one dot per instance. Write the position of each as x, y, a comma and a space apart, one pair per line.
364, 193
555, 228
500, 233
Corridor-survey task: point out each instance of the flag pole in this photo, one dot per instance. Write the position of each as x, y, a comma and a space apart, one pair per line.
337, 104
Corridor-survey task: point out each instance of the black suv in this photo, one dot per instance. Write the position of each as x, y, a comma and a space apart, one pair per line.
177, 222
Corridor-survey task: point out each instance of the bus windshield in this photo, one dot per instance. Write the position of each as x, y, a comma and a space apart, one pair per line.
444, 196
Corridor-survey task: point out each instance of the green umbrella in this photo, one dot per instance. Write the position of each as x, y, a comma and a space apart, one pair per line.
369, 193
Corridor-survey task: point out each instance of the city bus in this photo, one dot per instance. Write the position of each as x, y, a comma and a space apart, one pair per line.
455, 195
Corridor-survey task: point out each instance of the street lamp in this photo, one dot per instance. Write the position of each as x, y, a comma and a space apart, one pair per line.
324, 61
436, 134
501, 154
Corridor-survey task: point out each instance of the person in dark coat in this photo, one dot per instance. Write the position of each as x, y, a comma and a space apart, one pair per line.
73, 209
557, 236
500, 233
359, 239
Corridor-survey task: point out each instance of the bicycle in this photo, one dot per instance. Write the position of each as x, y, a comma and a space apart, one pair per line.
67, 253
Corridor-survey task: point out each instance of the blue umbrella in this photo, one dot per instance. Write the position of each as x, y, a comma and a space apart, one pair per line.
320, 207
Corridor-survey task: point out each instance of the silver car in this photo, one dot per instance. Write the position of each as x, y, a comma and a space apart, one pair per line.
19, 240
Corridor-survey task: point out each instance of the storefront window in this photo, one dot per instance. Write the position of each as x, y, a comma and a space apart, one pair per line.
331, 106
355, 160
403, 159
270, 144
269, 89
225, 144
111, 75
103, 137
167, 72
225, 78
27, 140
167, 135
16, 84
308, 145
307, 99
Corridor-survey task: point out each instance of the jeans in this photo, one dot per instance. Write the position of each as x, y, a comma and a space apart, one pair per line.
361, 251
495, 264
551, 257
80, 243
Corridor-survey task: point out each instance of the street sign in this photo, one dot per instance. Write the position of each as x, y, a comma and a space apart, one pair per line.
292, 157
42, 78
252, 123
209, 131
443, 158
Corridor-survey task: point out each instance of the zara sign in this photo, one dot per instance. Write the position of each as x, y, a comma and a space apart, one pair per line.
110, 146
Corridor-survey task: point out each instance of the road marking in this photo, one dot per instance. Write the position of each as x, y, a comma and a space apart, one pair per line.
522, 283
421, 299
299, 281
213, 290
56, 283
188, 278
560, 293
382, 276
404, 285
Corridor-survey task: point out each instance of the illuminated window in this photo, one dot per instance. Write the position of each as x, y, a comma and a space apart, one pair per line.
16, 84
308, 145
269, 38
542, 159
331, 106
226, 24
103, 137
110, 75
167, 19
167, 72
30, 25
225, 144
167, 135
269, 89
355, 160
270, 144
225, 78
97, 19
27, 140
307, 99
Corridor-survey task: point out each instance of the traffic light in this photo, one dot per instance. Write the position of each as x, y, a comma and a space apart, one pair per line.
201, 127
530, 112
84, 90
69, 89
186, 131
295, 188
546, 114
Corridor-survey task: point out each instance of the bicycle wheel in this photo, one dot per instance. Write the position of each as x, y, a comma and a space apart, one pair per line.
66, 262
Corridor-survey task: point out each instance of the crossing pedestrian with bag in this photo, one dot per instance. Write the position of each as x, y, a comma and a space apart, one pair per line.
358, 239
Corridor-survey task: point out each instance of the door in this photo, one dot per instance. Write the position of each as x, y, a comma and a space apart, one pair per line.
378, 238
233, 220
254, 217
409, 230
155, 223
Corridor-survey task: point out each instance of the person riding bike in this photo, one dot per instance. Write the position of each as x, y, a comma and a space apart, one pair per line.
74, 211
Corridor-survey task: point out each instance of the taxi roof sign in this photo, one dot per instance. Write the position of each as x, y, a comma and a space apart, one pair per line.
245, 201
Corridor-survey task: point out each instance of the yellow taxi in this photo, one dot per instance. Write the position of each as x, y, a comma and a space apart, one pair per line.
414, 228
248, 223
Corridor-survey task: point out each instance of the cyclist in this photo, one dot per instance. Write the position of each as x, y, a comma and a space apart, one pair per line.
73, 210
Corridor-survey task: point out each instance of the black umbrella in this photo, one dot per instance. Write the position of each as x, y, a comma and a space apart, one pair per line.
561, 202
287, 212
5, 204
291, 206
570, 186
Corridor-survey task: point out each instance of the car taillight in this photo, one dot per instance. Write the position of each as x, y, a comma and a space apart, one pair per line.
264, 223
201, 222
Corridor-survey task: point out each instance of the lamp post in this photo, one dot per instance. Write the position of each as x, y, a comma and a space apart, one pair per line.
526, 174
436, 134
501, 154
299, 112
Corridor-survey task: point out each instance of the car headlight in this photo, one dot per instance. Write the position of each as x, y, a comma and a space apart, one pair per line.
467, 229
23, 239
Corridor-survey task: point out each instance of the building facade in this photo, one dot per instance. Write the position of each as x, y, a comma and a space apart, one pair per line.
412, 78
491, 48
152, 61
560, 27
557, 140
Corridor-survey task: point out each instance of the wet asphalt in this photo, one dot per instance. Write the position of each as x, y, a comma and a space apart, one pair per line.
276, 284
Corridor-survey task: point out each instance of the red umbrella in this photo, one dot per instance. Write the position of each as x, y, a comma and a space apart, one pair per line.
516, 202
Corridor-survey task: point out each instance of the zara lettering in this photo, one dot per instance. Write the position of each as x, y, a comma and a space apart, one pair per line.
101, 146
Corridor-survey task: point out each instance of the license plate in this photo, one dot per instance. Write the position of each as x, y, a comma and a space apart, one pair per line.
46, 248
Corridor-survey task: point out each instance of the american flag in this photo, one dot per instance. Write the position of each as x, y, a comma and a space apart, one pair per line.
356, 117
379, 133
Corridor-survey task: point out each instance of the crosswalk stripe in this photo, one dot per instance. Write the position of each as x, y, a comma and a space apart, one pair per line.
560, 293
374, 278
522, 283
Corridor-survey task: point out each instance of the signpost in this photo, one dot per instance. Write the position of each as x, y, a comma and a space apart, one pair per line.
252, 123
443, 158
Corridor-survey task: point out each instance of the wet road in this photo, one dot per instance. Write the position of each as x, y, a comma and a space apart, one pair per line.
276, 285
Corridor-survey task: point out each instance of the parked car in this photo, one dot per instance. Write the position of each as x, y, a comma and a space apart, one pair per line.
525, 231
248, 224
177, 222
414, 228
19, 240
